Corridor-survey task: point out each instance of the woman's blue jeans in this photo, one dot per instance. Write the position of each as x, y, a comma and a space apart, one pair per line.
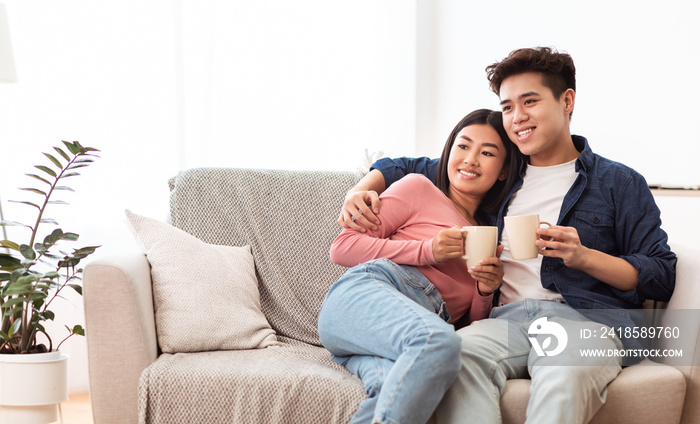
388, 325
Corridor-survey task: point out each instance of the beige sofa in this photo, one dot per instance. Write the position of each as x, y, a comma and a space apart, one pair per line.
288, 219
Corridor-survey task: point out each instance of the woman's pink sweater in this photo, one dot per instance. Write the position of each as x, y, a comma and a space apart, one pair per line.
413, 211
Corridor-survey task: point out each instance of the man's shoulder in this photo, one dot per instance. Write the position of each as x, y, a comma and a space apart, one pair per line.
611, 168
603, 165
613, 179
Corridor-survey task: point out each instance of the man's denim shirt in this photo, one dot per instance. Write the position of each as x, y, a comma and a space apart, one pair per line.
613, 210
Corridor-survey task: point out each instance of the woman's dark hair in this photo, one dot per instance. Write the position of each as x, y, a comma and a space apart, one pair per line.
493, 199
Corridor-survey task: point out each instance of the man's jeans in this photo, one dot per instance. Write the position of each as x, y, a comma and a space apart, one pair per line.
387, 324
566, 387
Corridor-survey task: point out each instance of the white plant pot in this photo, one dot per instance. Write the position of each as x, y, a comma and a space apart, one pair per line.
31, 387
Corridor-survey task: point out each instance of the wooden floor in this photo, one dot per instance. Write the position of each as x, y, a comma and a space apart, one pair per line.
77, 410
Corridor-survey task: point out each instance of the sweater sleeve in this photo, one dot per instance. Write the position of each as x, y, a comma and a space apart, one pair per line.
399, 204
480, 307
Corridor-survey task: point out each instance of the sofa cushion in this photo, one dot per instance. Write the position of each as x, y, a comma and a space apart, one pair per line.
205, 296
282, 384
289, 220
647, 393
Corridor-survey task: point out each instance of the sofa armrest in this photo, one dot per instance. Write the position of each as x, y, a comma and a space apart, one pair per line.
686, 305
121, 334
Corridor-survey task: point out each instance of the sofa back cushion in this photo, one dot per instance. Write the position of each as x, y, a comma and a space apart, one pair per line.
221, 281
289, 220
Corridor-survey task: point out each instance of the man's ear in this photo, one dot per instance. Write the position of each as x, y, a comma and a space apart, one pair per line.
569, 97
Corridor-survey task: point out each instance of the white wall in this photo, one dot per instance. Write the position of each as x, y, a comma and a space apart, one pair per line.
101, 73
297, 85
164, 85
635, 66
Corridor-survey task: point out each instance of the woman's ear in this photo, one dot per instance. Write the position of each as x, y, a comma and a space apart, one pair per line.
504, 173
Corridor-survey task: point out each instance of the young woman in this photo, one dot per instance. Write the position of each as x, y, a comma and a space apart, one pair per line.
389, 320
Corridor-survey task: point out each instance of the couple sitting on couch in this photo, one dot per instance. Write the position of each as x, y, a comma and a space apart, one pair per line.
390, 319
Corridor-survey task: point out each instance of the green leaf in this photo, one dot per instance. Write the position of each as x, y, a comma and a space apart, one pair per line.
26, 203
15, 327
70, 236
49, 221
7, 261
68, 262
70, 174
14, 224
52, 238
71, 147
46, 169
25, 280
77, 288
38, 178
33, 190
40, 293
54, 160
9, 244
66, 188
19, 273
80, 165
13, 302
57, 202
13, 311
27, 252
62, 153
85, 251
78, 329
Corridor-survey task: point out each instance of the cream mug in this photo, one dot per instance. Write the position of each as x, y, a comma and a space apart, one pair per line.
480, 242
521, 231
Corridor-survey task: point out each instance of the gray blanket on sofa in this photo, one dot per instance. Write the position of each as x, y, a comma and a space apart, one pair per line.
288, 219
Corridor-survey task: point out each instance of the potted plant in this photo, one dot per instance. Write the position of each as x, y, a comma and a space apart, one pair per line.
33, 275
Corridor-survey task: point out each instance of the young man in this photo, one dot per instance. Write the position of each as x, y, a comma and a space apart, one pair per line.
606, 255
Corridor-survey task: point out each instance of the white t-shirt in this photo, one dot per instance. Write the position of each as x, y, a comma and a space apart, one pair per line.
542, 193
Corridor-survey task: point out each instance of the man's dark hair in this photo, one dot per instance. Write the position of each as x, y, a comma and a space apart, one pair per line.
557, 69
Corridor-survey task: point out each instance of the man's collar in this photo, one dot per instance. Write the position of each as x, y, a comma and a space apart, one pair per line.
584, 160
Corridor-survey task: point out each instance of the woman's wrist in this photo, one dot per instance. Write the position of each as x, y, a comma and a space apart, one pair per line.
481, 292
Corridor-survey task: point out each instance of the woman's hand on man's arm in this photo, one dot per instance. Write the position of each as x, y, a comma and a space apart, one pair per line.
362, 204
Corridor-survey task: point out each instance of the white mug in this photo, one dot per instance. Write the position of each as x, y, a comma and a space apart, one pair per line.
480, 242
521, 231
